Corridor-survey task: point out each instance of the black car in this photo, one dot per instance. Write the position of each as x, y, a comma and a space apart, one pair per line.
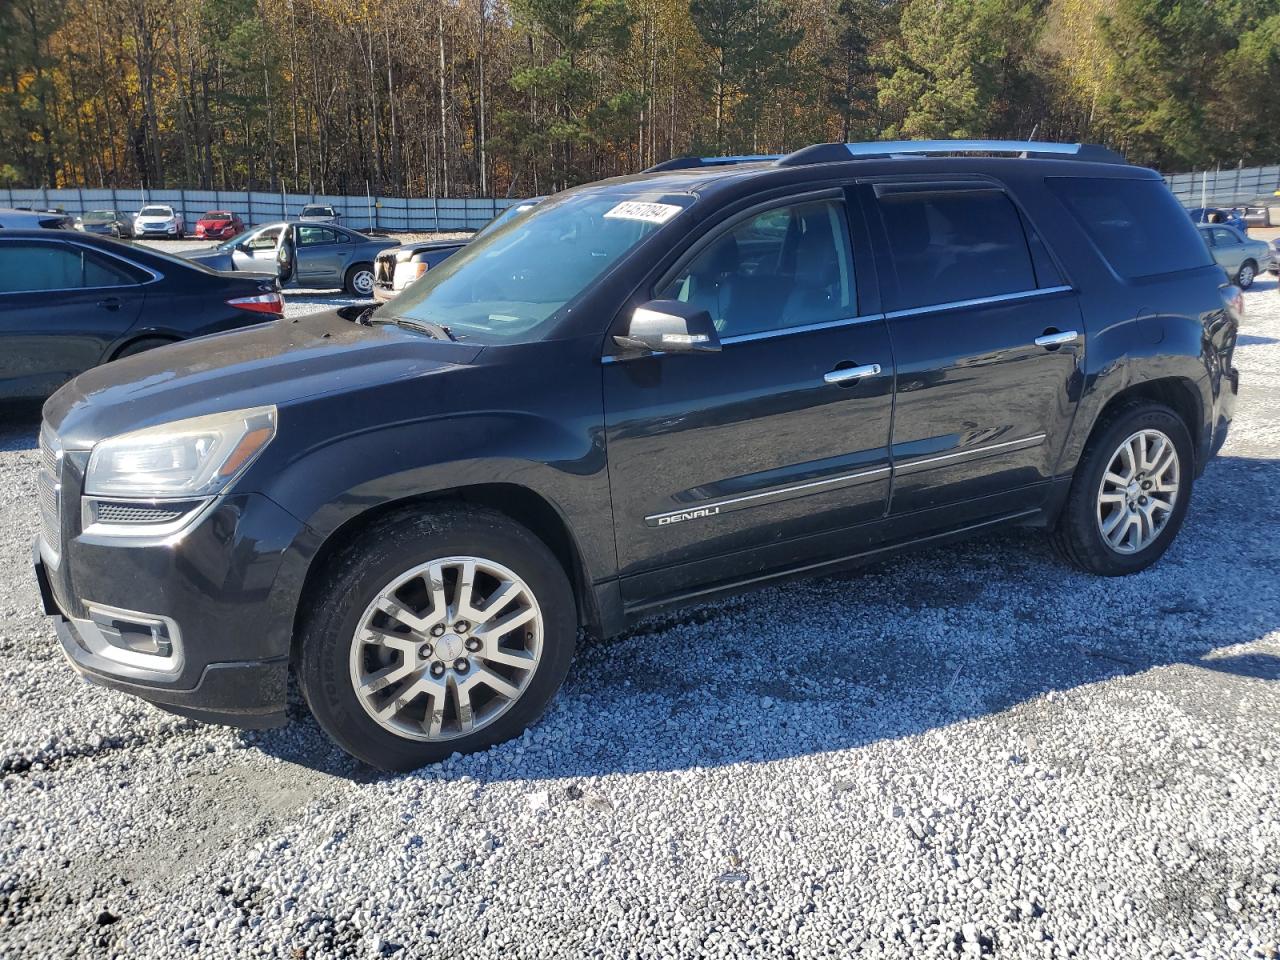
398, 267
649, 392
69, 302
106, 223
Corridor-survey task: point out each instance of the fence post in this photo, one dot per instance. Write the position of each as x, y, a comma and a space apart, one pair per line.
249, 200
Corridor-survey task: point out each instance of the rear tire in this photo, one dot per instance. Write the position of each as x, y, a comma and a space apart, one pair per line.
1112, 528
359, 280
389, 688
1245, 277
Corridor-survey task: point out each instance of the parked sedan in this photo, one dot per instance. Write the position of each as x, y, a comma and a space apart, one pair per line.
158, 220
311, 255
70, 301
400, 266
106, 223
218, 225
319, 213
1242, 257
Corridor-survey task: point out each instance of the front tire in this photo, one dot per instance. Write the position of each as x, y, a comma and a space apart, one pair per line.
436, 633
1245, 277
359, 280
1130, 491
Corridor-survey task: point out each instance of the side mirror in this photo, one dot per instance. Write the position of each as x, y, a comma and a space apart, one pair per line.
669, 326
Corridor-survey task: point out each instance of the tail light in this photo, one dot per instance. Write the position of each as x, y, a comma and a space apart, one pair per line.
271, 303
1234, 298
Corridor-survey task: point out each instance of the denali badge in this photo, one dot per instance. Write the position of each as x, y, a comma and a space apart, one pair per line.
666, 518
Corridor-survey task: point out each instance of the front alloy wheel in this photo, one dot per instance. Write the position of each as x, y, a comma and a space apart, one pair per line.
440, 629
446, 648
1138, 491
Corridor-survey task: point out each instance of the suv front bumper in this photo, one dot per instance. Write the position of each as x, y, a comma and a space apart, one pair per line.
200, 624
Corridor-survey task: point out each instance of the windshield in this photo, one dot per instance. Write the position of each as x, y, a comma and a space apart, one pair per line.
99, 216
317, 211
155, 212
501, 287
506, 216
217, 215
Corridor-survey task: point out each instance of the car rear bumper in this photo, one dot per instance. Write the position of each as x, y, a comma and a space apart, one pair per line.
200, 623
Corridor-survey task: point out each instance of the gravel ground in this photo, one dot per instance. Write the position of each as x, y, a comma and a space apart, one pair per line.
968, 751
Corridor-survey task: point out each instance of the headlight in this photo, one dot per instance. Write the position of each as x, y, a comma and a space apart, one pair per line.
187, 458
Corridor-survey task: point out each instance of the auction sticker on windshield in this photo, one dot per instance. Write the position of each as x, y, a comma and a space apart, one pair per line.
641, 210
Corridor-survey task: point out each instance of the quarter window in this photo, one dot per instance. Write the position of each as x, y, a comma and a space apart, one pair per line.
948, 246
45, 266
786, 267
1137, 225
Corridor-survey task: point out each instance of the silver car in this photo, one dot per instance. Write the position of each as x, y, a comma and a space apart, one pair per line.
310, 255
1241, 256
319, 213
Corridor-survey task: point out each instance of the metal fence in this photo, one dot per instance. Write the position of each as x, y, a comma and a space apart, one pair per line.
1214, 188
1226, 188
426, 215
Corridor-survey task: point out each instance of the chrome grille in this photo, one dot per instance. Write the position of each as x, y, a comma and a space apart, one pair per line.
49, 489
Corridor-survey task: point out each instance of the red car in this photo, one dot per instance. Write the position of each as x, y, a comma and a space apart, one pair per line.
218, 225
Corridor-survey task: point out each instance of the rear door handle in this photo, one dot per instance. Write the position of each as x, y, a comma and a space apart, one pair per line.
847, 374
110, 303
1052, 339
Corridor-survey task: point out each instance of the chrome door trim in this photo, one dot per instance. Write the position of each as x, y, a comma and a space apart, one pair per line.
978, 301
710, 508
912, 466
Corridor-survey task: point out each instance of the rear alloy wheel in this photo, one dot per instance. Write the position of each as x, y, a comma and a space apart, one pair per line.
1130, 491
359, 280
1248, 270
435, 634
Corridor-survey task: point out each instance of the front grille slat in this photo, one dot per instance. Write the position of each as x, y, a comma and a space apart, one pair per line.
49, 489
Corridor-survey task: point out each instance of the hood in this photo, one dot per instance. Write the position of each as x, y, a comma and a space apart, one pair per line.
278, 362
424, 246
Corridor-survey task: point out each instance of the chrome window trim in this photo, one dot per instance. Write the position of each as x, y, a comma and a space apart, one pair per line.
750, 499
807, 328
71, 241
911, 466
978, 301
761, 335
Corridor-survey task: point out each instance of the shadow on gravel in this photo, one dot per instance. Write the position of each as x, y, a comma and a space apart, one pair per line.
890, 651
1250, 340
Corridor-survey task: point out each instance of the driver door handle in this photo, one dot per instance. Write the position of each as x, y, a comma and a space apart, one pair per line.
848, 374
1052, 339
109, 303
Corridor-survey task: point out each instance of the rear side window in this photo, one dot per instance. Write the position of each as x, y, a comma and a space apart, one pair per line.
1137, 225
46, 266
952, 245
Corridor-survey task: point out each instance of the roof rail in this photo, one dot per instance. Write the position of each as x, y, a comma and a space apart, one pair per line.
690, 163
836, 152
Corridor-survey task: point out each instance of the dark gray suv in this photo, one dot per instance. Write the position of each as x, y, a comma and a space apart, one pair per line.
643, 393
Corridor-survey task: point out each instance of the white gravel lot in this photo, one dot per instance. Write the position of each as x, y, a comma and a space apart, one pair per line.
968, 751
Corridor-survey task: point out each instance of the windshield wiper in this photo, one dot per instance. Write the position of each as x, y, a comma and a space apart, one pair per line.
437, 330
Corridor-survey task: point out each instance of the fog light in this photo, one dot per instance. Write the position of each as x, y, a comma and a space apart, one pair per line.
134, 632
